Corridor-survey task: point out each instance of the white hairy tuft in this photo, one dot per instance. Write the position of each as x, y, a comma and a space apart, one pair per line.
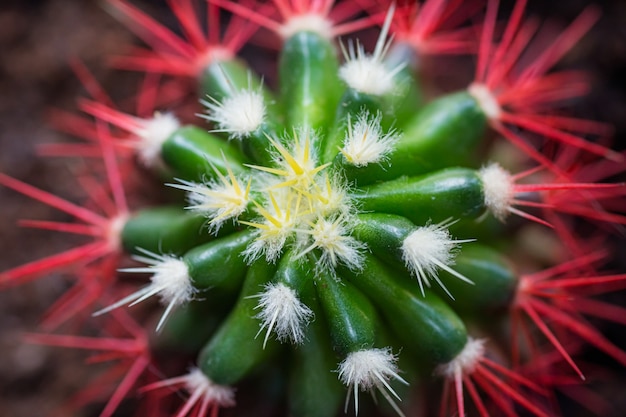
365, 142
332, 237
170, 281
368, 73
239, 115
486, 100
266, 244
219, 200
466, 361
277, 223
207, 391
282, 312
152, 133
332, 196
499, 190
429, 248
368, 369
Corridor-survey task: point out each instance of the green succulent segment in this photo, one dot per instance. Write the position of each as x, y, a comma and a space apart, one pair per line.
193, 154
444, 133
322, 236
170, 230
495, 281
295, 274
219, 263
311, 372
234, 351
384, 234
257, 145
314, 390
426, 325
486, 229
350, 315
309, 83
310, 377
191, 326
454, 193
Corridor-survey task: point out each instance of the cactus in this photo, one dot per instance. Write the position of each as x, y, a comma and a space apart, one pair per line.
343, 230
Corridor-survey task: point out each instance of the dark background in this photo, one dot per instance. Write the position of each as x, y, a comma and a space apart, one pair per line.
37, 38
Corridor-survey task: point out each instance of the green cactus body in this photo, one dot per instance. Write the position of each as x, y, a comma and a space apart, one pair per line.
191, 153
319, 206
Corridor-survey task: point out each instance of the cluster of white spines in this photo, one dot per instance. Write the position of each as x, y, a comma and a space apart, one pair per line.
276, 225
219, 200
205, 396
281, 311
370, 368
486, 100
151, 134
428, 249
240, 114
332, 196
332, 236
170, 281
204, 390
304, 205
365, 143
466, 361
369, 73
499, 191
296, 165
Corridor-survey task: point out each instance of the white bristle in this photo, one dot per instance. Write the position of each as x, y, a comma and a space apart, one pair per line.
429, 248
170, 281
282, 312
199, 385
498, 187
465, 362
369, 73
239, 115
365, 142
367, 369
486, 100
152, 134
332, 237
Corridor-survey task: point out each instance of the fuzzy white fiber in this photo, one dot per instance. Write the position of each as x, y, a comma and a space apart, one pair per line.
466, 361
282, 312
371, 368
428, 249
365, 142
498, 186
170, 281
152, 134
239, 115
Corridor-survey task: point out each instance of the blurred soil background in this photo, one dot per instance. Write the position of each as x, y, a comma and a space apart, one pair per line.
37, 39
